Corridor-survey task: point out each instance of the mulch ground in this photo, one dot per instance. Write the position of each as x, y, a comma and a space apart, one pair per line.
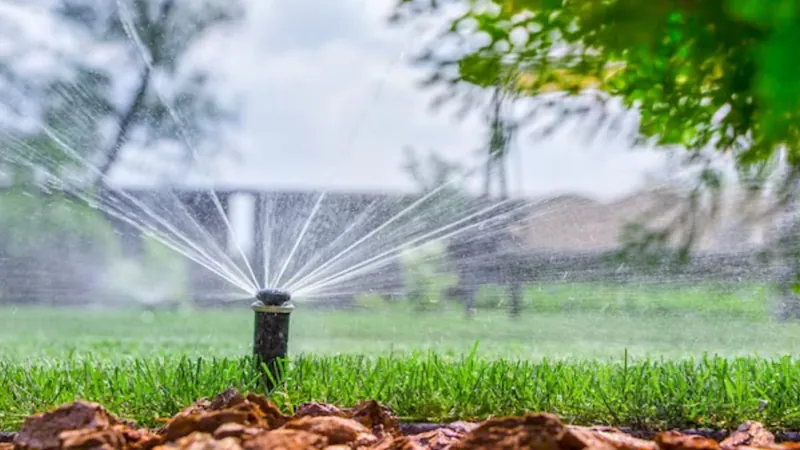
232, 421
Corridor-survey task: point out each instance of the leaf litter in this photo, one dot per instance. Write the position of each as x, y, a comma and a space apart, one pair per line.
234, 421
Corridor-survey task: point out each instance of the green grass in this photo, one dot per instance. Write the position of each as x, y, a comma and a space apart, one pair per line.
592, 354
567, 321
737, 300
660, 394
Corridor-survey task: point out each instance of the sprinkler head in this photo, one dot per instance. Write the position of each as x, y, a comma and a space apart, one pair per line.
273, 297
271, 335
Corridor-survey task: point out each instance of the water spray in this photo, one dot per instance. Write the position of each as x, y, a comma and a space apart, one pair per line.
271, 337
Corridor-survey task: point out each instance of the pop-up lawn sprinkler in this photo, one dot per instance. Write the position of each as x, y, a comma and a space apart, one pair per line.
271, 339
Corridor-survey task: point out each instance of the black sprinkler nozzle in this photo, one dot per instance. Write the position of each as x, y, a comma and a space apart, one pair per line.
271, 338
273, 297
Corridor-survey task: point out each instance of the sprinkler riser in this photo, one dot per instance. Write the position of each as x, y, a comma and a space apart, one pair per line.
271, 332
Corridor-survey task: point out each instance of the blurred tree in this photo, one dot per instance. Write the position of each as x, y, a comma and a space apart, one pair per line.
435, 172
500, 136
441, 191
479, 245
679, 63
78, 93
713, 77
100, 99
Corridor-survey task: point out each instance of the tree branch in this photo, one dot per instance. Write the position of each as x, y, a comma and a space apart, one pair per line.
126, 120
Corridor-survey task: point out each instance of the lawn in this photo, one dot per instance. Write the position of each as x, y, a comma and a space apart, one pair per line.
567, 321
687, 357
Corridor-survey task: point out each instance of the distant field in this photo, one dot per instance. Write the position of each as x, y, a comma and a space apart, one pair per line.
569, 321
593, 354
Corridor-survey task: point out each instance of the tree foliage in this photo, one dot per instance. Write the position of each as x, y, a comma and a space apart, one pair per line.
709, 77
441, 189
679, 63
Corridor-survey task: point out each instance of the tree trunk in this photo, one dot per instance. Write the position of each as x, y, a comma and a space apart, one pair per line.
154, 28
124, 126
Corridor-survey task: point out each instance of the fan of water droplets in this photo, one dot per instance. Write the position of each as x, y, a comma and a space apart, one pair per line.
316, 245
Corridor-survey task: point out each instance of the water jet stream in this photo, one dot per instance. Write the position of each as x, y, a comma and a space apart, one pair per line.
361, 218
147, 59
188, 249
267, 239
327, 263
380, 259
180, 243
299, 238
378, 229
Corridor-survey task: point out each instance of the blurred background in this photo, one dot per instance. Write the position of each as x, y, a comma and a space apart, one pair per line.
137, 136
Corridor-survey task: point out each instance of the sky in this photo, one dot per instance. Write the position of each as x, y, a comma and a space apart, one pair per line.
330, 100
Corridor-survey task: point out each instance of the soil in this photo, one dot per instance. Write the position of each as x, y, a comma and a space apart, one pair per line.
232, 421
